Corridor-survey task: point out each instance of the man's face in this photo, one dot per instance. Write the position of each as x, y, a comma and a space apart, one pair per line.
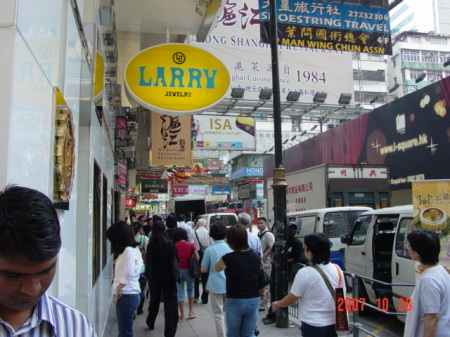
261, 224
23, 283
292, 230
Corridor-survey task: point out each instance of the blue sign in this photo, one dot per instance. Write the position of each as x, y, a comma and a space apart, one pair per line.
247, 172
221, 189
329, 25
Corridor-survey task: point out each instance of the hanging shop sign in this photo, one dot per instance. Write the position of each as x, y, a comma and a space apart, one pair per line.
130, 202
329, 25
176, 79
154, 186
171, 140
221, 190
180, 189
64, 151
218, 132
99, 71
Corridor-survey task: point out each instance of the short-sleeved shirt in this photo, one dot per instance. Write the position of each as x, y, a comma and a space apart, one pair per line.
242, 269
254, 243
50, 318
431, 296
316, 305
185, 249
267, 241
216, 280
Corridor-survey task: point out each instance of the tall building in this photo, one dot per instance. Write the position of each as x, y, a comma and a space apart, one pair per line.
431, 16
418, 59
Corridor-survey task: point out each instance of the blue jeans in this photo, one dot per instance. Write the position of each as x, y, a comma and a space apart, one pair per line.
185, 278
125, 308
241, 316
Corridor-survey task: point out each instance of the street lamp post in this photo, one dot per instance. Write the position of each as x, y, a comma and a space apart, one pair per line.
279, 180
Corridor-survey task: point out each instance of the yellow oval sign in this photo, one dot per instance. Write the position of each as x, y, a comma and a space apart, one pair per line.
176, 79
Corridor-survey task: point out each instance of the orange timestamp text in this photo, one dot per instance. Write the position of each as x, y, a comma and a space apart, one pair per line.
358, 304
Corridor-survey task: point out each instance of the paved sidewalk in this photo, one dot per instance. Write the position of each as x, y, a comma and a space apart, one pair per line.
201, 326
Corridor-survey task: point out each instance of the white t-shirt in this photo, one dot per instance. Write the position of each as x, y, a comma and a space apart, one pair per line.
127, 270
316, 306
431, 296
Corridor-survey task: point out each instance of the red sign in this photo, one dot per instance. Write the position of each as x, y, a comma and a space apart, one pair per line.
180, 189
253, 181
130, 202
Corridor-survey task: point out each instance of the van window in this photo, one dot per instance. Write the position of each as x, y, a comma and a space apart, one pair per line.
307, 225
335, 224
359, 233
226, 219
400, 241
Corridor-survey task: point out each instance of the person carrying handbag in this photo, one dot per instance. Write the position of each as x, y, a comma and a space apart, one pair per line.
185, 249
202, 240
316, 303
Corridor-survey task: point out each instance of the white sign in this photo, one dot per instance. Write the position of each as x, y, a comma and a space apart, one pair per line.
228, 133
236, 41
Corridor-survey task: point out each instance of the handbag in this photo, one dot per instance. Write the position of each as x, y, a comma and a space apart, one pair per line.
263, 279
175, 266
201, 251
194, 267
338, 293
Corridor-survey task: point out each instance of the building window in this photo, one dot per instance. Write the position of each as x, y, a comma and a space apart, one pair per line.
438, 40
430, 56
409, 55
415, 39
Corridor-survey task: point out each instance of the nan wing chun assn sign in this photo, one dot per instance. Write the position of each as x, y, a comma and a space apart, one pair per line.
328, 25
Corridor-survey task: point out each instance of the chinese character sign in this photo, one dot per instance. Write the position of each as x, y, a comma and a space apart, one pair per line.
171, 140
329, 25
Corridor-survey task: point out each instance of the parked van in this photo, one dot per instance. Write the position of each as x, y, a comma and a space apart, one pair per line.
376, 248
228, 219
332, 221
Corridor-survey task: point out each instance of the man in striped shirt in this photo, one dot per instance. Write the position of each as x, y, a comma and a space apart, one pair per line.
29, 245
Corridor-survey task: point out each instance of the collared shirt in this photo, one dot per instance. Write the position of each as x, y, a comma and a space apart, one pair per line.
216, 280
202, 238
128, 268
51, 318
254, 243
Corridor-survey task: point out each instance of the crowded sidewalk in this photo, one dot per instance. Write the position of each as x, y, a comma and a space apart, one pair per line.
201, 326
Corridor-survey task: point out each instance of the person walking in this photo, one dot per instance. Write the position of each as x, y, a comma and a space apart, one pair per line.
216, 285
241, 267
295, 255
30, 242
128, 267
160, 255
430, 310
202, 240
185, 249
316, 305
245, 220
267, 241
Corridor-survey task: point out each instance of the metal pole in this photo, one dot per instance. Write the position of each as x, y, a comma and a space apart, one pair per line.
279, 180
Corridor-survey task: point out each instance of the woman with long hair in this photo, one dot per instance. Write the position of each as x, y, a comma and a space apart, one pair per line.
185, 249
128, 266
316, 305
242, 268
161, 278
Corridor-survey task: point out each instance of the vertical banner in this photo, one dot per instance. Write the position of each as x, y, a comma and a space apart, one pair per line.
171, 140
432, 210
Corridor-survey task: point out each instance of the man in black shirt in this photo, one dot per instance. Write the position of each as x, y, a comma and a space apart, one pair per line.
295, 255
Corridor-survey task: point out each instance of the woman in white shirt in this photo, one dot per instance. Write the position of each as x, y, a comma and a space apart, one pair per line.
128, 267
316, 305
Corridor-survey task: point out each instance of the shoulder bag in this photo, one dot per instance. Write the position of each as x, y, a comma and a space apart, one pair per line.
174, 264
338, 293
201, 251
194, 267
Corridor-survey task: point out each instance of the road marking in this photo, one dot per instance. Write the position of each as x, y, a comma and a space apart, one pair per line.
382, 328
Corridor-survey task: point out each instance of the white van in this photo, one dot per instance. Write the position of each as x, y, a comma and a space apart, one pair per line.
332, 221
228, 219
376, 248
